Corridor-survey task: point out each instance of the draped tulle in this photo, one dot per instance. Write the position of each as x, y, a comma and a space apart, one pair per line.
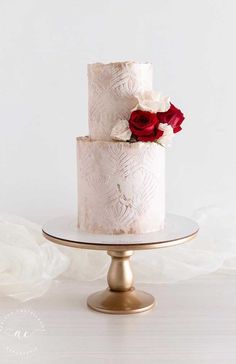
28, 263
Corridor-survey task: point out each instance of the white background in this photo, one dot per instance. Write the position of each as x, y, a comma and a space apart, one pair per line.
44, 49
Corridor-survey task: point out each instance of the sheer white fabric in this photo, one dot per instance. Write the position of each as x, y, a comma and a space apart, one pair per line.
28, 263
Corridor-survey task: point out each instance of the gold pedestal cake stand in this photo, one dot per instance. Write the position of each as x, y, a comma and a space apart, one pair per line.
120, 297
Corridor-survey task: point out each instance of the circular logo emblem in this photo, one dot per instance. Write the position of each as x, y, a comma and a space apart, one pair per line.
19, 330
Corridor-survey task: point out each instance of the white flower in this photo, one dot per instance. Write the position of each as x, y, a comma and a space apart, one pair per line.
167, 136
121, 131
28, 263
152, 101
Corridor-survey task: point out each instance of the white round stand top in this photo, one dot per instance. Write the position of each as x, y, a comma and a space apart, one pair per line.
64, 231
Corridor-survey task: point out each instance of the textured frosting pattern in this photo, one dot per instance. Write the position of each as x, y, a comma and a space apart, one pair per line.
111, 90
121, 186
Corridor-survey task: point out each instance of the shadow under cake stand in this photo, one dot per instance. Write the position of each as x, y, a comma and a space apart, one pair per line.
120, 297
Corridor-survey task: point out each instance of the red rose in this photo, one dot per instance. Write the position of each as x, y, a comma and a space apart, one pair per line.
173, 117
144, 126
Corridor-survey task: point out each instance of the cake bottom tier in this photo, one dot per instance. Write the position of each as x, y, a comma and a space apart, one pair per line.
121, 186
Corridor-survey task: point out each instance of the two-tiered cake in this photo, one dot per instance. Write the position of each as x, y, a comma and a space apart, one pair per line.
121, 164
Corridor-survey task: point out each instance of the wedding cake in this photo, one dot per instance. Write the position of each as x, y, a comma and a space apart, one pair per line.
121, 164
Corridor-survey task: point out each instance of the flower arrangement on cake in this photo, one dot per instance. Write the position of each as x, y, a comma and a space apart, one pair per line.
153, 119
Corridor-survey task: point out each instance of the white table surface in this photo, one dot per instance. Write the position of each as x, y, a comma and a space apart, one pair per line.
194, 322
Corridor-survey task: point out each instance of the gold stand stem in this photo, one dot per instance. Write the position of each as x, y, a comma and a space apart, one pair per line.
120, 275
120, 297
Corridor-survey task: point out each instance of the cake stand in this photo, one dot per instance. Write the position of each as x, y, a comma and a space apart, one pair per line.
120, 297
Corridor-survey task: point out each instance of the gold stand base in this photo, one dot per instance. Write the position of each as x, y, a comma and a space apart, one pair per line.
131, 301
120, 297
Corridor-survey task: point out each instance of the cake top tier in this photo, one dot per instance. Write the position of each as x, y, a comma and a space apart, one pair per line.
121, 63
111, 89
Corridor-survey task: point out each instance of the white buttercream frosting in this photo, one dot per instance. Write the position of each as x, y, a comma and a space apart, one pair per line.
121, 186
111, 89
